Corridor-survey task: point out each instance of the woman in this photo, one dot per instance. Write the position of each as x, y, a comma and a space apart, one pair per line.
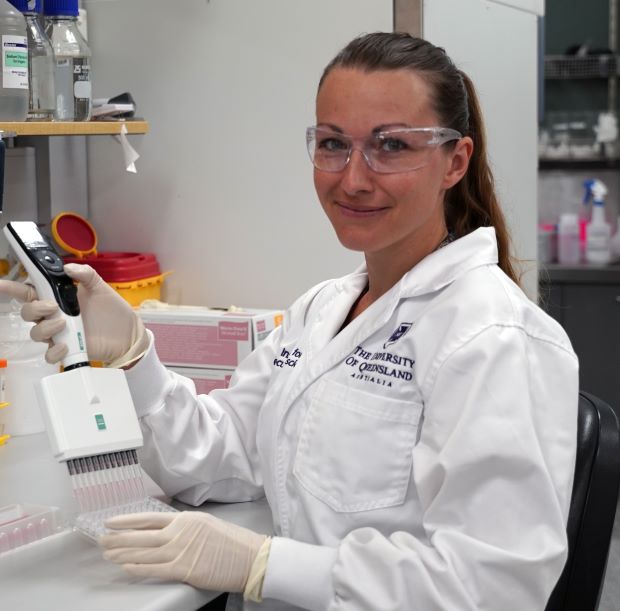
413, 424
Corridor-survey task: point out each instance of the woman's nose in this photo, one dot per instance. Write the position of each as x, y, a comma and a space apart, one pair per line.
356, 175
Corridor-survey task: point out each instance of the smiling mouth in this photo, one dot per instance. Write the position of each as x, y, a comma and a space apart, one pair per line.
357, 210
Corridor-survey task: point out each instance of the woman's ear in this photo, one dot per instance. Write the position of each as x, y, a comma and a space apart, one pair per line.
458, 161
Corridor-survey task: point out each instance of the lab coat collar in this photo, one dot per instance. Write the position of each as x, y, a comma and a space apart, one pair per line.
326, 347
442, 267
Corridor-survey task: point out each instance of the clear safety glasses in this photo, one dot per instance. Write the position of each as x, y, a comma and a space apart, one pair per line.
386, 152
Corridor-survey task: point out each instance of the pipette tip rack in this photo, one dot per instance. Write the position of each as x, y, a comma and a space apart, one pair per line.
106, 480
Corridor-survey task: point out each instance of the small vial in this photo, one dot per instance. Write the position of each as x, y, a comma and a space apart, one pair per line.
31, 533
17, 538
44, 528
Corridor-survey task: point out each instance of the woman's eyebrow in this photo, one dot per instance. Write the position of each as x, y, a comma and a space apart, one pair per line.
331, 126
388, 126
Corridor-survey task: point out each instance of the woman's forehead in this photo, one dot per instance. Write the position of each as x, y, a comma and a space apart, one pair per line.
371, 98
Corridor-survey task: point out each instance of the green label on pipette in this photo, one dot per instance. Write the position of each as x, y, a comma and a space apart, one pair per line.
80, 341
99, 419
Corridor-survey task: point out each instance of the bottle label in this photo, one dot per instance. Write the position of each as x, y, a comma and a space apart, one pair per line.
81, 79
73, 89
14, 62
598, 243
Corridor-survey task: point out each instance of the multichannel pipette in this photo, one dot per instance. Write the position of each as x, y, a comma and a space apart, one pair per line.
88, 412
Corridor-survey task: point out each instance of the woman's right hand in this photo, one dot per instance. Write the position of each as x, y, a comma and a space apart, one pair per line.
114, 333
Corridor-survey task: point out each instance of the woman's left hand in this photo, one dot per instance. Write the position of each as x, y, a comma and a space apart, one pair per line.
189, 546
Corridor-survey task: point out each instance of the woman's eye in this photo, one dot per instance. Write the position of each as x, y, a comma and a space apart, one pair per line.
392, 145
333, 144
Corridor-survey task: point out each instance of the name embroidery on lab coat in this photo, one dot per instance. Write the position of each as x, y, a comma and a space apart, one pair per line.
287, 358
379, 367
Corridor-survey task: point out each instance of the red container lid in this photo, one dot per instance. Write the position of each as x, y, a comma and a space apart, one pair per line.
77, 236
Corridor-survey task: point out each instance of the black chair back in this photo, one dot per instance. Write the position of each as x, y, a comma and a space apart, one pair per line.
592, 508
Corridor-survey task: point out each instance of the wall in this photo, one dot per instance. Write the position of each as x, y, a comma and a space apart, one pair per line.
224, 190
501, 59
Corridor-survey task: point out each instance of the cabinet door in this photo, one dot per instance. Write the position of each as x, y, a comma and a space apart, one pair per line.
591, 317
550, 298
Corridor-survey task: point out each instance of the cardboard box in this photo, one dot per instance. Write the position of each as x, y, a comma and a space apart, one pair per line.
207, 338
206, 380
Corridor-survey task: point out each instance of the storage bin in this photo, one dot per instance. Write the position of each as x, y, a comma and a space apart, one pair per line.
136, 276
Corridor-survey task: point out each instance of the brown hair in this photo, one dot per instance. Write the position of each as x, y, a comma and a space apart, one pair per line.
472, 202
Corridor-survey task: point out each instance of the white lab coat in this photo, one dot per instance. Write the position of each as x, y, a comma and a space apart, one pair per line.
421, 458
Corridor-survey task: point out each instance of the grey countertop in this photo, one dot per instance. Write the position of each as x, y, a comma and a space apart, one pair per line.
67, 570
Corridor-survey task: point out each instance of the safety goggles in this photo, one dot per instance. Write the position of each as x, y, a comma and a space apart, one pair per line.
385, 152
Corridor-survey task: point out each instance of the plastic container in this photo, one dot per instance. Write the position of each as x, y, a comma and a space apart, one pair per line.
135, 276
72, 76
614, 244
568, 239
140, 290
25, 523
598, 231
547, 243
41, 101
14, 48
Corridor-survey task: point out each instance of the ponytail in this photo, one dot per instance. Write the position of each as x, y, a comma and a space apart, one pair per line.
472, 202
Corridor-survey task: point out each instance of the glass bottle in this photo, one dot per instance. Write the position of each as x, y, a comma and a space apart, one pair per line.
14, 64
41, 101
72, 70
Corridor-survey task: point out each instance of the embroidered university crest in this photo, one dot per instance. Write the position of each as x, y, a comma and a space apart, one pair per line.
400, 331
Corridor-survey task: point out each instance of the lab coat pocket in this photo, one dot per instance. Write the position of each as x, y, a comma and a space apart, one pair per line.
355, 448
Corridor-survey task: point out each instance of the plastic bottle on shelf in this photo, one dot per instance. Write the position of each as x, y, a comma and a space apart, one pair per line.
598, 231
14, 49
568, 239
72, 70
614, 244
42, 101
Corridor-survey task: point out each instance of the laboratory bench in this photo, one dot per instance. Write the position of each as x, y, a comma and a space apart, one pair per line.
66, 570
585, 300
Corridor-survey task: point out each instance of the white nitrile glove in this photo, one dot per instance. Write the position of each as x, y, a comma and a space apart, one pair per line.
114, 332
189, 546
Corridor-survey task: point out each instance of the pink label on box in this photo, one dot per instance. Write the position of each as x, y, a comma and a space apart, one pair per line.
237, 331
204, 387
192, 345
260, 325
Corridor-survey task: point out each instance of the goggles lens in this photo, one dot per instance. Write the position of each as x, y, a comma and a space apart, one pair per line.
386, 152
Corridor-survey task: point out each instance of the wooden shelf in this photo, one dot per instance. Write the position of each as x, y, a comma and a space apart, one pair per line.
74, 128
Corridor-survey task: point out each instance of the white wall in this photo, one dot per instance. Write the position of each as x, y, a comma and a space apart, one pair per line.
496, 45
224, 190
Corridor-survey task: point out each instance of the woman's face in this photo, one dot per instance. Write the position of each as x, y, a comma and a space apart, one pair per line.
385, 213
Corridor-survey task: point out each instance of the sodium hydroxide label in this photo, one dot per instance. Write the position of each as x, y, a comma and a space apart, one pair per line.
14, 62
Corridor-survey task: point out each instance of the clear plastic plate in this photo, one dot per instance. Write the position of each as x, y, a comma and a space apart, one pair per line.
91, 523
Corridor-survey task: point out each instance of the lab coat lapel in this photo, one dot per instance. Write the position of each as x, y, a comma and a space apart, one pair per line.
326, 347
